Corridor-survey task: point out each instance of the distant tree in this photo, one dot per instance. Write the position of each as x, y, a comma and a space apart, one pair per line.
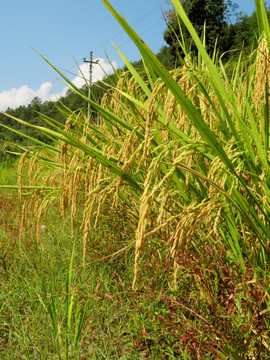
166, 58
36, 102
213, 13
245, 31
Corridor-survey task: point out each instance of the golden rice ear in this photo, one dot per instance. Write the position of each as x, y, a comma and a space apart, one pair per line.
20, 170
32, 170
40, 215
64, 177
262, 73
75, 189
87, 182
127, 156
116, 97
64, 197
103, 104
74, 181
181, 120
132, 86
176, 239
204, 107
68, 123
162, 199
86, 230
149, 121
86, 222
170, 104
145, 205
24, 217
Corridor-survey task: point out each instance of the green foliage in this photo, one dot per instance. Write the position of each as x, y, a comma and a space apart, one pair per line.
30, 115
245, 32
241, 34
7, 156
8, 171
166, 58
206, 16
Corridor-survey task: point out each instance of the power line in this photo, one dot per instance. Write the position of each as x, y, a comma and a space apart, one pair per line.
129, 40
139, 19
122, 32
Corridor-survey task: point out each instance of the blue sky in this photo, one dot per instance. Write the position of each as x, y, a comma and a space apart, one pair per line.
63, 29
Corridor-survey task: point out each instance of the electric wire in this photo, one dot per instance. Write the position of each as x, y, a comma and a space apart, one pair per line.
109, 41
117, 35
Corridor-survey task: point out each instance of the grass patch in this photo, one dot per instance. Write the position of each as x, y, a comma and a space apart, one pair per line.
8, 173
38, 321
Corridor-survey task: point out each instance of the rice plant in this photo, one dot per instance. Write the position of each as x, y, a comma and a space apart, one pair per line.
187, 153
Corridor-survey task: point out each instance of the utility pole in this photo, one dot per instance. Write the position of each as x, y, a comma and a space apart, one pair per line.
91, 62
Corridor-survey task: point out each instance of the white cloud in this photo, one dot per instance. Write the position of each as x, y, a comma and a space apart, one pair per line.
44, 91
24, 95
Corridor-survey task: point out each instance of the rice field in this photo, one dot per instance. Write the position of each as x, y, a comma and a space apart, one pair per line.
164, 210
